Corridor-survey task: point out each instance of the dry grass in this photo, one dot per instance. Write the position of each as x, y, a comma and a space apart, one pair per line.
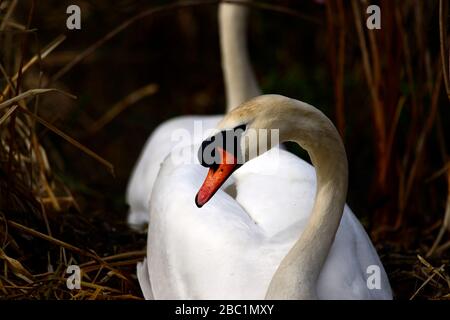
44, 228
33, 259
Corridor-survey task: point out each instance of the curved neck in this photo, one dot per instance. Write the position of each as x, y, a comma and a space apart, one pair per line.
240, 82
297, 275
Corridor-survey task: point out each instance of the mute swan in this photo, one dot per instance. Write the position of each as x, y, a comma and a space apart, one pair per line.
240, 85
282, 237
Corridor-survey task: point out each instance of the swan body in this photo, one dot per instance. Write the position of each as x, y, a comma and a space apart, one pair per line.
279, 235
240, 85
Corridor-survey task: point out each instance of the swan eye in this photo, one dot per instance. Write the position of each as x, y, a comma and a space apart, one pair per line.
241, 127
228, 140
207, 152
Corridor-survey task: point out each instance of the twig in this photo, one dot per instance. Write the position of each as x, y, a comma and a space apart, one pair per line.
445, 227
8, 113
421, 141
117, 257
53, 240
8, 13
442, 38
71, 140
52, 46
32, 93
377, 107
433, 270
119, 107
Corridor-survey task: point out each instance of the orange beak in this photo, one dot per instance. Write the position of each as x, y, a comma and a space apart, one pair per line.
216, 177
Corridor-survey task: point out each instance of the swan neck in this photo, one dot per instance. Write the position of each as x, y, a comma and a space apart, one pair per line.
240, 81
297, 275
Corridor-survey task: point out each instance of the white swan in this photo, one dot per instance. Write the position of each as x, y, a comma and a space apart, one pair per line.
282, 237
240, 85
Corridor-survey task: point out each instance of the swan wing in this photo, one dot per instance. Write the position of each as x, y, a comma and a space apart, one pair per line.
177, 132
277, 190
144, 279
348, 271
199, 253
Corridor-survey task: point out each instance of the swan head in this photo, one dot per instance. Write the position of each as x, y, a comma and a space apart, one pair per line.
255, 127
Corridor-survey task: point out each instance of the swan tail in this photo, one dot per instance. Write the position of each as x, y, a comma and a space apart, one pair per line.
144, 280
137, 220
